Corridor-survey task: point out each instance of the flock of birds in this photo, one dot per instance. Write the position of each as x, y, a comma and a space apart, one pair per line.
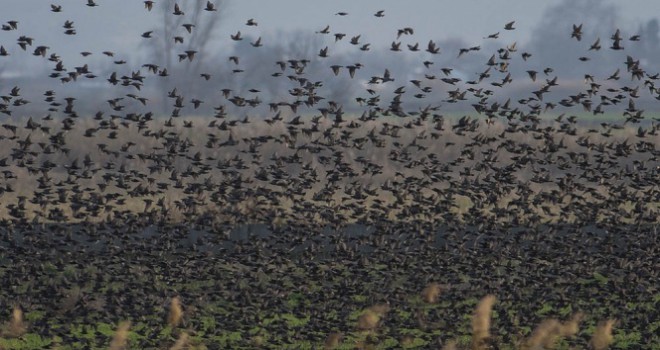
419, 181
324, 164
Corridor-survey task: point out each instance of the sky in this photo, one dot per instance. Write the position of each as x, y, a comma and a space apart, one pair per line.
472, 19
116, 25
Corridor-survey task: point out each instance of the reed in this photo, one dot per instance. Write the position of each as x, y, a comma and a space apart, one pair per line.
176, 313
120, 340
602, 337
481, 322
16, 326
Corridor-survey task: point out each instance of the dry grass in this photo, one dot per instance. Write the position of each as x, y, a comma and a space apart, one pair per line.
370, 318
571, 327
175, 315
431, 293
547, 333
181, 343
332, 341
602, 337
120, 340
16, 326
368, 321
481, 322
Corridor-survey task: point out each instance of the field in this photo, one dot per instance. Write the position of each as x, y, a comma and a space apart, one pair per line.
253, 267
247, 292
173, 179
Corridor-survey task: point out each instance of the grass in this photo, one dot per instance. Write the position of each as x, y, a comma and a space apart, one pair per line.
416, 322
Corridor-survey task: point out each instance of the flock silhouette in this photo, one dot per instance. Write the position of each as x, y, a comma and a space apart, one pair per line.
519, 197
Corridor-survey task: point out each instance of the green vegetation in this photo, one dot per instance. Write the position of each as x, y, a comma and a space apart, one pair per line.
410, 323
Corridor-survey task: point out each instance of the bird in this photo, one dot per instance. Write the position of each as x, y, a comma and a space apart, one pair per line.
614, 76
616, 41
177, 10
210, 6
257, 43
188, 27
281, 180
335, 69
432, 48
509, 26
404, 31
237, 36
11, 25
352, 69
577, 32
532, 74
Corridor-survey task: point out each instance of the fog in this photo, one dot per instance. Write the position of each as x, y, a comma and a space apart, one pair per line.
290, 31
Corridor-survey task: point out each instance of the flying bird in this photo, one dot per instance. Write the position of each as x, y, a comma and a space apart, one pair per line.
236, 37
335, 69
616, 40
431, 47
210, 6
577, 32
177, 10
257, 43
188, 27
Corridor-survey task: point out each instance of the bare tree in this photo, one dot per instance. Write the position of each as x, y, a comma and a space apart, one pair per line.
177, 35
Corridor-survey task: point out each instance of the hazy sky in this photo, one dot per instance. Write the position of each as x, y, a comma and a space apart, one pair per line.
116, 25
470, 19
